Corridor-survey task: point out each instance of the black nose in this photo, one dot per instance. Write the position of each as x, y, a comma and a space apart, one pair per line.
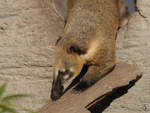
57, 88
56, 92
55, 95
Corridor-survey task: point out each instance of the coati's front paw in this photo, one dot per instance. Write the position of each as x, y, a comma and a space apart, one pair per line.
83, 85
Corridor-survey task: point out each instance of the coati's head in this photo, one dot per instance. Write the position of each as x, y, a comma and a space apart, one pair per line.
67, 65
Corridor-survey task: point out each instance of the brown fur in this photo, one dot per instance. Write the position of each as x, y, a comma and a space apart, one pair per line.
89, 38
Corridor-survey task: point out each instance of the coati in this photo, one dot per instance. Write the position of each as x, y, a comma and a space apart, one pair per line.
88, 39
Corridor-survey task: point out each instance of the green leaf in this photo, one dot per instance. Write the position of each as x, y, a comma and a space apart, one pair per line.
6, 108
13, 97
2, 89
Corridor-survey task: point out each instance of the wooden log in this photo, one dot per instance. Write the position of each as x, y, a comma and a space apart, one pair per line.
72, 102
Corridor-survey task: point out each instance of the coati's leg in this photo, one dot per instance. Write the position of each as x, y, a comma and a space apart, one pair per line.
93, 74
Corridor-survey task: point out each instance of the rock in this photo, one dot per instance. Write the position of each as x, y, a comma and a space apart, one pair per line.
28, 32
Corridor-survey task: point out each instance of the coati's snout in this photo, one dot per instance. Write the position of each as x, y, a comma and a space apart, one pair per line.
58, 83
57, 88
66, 68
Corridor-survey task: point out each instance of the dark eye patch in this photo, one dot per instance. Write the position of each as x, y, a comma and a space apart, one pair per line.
65, 72
76, 49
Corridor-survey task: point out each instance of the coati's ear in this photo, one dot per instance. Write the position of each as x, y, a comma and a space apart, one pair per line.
76, 49
123, 12
61, 7
59, 38
123, 8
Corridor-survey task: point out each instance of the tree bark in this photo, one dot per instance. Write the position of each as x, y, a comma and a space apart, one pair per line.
73, 102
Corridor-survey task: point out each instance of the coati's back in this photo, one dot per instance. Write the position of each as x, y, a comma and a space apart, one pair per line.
89, 16
89, 39
90, 21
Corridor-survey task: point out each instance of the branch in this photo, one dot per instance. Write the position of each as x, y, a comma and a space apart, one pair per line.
73, 102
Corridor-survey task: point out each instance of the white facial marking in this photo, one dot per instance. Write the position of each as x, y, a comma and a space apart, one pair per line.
66, 77
91, 51
68, 82
72, 69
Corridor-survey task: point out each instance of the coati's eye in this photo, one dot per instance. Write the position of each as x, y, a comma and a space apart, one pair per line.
76, 49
